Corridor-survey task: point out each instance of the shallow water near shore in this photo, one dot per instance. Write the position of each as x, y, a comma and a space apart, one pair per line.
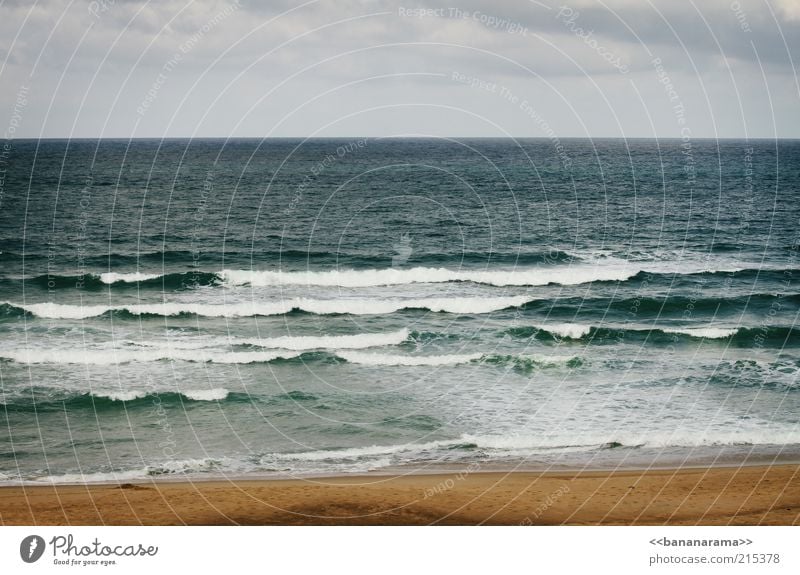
297, 308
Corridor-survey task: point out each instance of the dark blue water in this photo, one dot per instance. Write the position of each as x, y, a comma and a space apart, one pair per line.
326, 306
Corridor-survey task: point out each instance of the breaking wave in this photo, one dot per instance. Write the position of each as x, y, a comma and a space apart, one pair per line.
476, 305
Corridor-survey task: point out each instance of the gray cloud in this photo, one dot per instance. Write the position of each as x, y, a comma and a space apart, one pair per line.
215, 68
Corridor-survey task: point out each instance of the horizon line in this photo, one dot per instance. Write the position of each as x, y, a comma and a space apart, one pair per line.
350, 137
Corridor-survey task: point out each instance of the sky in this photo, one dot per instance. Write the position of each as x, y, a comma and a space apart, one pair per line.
379, 68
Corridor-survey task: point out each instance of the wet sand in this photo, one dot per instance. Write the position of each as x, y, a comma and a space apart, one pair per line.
750, 495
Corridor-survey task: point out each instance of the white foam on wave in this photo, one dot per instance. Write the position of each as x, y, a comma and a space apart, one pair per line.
509, 445
116, 356
62, 311
308, 342
216, 394
290, 342
100, 477
706, 332
114, 277
656, 439
566, 275
170, 343
595, 265
689, 266
567, 330
176, 467
547, 360
475, 305
120, 395
577, 330
192, 466
355, 453
69, 311
238, 357
406, 360
522, 445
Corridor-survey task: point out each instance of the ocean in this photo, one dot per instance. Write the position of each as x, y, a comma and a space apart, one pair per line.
291, 307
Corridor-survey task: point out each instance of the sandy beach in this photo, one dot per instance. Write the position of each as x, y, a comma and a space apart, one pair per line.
752, 495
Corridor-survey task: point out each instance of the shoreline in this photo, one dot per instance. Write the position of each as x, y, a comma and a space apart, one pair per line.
628, 459
390, 472
712, 495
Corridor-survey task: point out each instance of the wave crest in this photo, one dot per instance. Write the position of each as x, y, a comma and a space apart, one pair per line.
476, 305
571, 275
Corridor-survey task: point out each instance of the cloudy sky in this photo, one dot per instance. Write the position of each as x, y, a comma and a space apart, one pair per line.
613, 68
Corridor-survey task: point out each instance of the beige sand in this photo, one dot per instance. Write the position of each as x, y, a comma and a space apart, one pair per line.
715, 496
